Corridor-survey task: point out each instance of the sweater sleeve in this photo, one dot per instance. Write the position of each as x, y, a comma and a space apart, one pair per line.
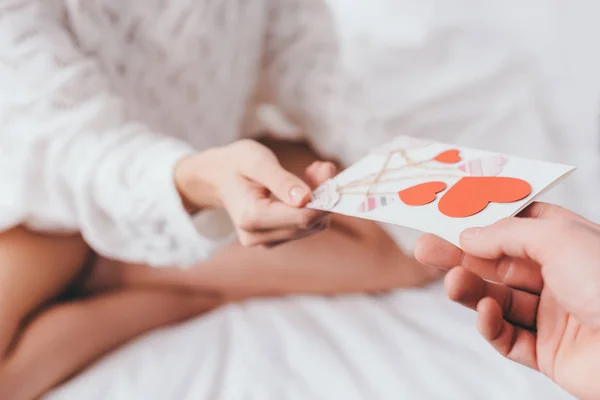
70, 157
300, 71
306, 76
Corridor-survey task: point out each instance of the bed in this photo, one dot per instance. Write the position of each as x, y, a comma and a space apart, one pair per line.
410, 344
413, 344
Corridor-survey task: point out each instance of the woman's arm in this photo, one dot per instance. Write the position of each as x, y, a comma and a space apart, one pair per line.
300, 72
71, 157
353, 256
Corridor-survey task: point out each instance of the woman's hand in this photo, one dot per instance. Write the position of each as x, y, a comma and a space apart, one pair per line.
545, 311
354, 256
244, 178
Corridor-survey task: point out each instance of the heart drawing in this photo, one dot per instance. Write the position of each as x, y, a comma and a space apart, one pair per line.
477, 184
421, 194
448, 157
471, 195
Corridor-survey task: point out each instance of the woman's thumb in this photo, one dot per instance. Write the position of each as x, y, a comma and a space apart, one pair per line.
286, 186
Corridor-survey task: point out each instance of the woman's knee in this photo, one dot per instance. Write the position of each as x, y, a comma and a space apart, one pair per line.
10, 322
12, 384
34, 269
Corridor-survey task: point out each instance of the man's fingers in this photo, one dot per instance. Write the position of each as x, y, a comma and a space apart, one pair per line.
468, 289
516, 273
515, 343
540, 210
534, 239
436, 252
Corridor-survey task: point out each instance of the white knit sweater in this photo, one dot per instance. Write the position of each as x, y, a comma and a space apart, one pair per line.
99, 99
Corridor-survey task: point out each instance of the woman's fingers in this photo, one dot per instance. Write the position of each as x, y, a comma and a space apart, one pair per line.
513, 342
260, 165
267, 215
274, 238
319, 172
263, 221
468, 289
517, 273
260, 219
253, 210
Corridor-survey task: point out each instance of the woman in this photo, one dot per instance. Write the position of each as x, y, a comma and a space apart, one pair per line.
116, 126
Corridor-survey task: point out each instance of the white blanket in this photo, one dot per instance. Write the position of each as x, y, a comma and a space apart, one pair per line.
409, 345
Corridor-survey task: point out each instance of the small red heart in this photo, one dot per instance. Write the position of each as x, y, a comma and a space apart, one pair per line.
448, 157
471, 195
421, 194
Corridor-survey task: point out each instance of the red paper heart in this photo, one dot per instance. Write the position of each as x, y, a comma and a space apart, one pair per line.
471, 195
421, 194
448, 157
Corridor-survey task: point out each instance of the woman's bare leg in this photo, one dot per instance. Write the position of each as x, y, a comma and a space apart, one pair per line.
43, 342
34, 269
64, 338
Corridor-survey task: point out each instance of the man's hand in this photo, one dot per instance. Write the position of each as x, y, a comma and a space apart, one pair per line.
543, 308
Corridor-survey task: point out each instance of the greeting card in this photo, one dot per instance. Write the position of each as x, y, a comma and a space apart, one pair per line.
435, 187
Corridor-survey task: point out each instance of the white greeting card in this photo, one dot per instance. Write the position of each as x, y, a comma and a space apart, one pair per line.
435, 187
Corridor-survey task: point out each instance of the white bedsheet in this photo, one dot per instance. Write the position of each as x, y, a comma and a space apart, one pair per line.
412, 344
